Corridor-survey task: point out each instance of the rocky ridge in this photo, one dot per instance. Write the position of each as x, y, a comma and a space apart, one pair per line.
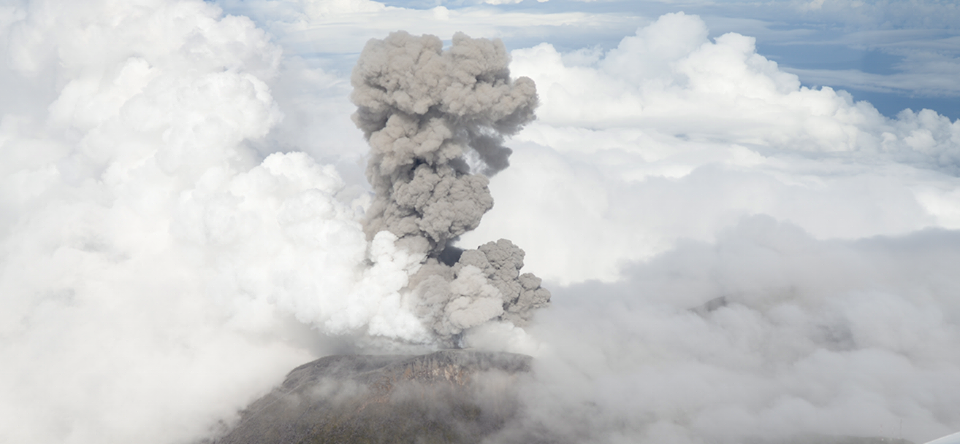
450, 396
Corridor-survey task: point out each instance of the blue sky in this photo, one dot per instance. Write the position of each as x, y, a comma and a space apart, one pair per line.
895, 54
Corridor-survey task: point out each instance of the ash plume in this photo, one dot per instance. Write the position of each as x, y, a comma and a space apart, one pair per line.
436, 121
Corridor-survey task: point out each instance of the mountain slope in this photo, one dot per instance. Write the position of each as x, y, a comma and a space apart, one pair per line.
450, 396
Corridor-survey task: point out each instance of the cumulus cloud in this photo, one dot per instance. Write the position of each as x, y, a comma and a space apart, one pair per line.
670, 69
129, 202
184, 216
691, 314
673, 135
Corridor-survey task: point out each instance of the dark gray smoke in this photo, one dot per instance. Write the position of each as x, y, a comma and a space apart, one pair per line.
436, 121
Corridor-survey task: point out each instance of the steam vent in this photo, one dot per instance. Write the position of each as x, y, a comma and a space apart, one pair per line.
451, 396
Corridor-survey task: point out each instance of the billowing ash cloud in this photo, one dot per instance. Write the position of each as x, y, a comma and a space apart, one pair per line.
484, 284
436, 121
422, 109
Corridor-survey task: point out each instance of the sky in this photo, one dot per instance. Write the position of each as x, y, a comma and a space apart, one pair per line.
748, 214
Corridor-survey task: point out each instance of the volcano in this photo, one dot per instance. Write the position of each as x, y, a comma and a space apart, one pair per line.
450, 396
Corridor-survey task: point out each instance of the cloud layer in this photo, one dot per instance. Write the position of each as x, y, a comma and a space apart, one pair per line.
159, 269
734, 256
671, 135
764, 335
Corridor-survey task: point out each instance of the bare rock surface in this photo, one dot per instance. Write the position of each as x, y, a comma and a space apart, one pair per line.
450, 396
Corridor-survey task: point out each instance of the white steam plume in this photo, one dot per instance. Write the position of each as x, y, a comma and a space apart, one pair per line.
160, 264
156, 272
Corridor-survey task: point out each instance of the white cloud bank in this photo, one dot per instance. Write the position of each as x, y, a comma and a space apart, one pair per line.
162, 262
671, 135
155, 274
765, 335
749, 260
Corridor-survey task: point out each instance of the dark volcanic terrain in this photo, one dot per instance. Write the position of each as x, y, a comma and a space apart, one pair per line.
450, 396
